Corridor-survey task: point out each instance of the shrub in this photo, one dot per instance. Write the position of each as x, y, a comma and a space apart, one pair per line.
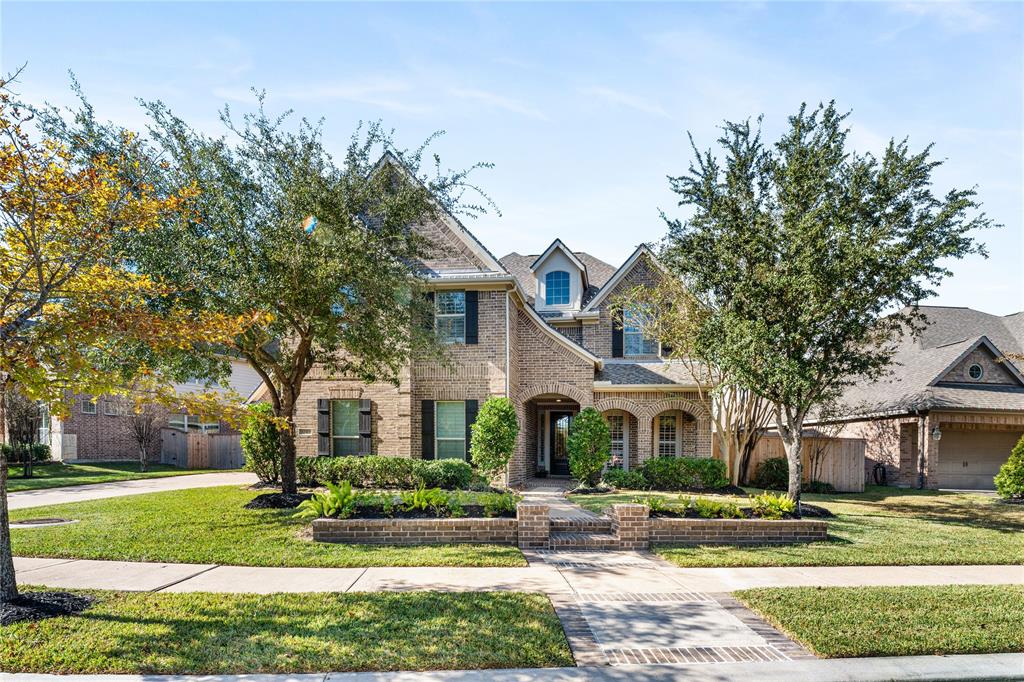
589, 446
654, 503
261, 444
772, 474
19, 453
494, 436
425, 499
376, 471
625, 480
496, 504
771, 506
817, 487
450, 474
306, 471
1010, 479
338, 502
679, 473
713, 509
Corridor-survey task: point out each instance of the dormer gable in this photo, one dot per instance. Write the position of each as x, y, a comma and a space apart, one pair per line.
981, 364
561, 279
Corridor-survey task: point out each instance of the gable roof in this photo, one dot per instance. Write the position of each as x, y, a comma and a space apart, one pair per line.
914, 382
623, 270
557, 244
598, 272
454, 225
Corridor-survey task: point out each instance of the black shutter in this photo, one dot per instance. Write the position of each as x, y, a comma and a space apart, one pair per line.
472, 315
427, 429
617, 335
365, 427
472, 407
323, 427
428, 317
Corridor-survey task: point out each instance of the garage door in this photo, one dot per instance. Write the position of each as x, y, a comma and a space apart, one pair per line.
969, 459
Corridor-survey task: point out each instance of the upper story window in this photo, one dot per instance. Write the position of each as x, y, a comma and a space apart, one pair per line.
189, 422
556, 288
450, 316
88, 406
634, 342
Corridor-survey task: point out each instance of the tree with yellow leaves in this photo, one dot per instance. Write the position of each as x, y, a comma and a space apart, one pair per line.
69, 299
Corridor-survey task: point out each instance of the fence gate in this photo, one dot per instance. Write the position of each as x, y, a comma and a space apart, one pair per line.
200, 451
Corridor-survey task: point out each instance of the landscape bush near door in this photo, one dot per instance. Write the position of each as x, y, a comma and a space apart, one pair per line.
685, 473
1010, 479
590, 446
494, 436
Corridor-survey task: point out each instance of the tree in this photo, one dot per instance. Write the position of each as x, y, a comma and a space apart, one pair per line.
590, 446
1010, 478
674, 317
69, 300
494, 436
145, 419
799, 253
324, 256
261, 444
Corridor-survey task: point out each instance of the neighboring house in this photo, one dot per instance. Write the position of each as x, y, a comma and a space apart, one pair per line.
537, 329
952, 407
96, 429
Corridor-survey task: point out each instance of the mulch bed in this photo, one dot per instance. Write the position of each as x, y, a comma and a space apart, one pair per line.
32, 606
278, 500
473, 511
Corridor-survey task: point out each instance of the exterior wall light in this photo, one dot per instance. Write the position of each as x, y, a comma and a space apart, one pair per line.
936, 434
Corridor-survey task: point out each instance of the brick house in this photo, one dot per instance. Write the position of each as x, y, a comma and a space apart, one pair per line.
952, 407
96, 427
534, 328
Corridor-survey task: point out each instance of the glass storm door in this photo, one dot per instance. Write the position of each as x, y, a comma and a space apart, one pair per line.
559, 440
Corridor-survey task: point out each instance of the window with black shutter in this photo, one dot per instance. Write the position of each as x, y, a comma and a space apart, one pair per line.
365, 427
323, 427
472, 407
472, 316
617, 335
427, 429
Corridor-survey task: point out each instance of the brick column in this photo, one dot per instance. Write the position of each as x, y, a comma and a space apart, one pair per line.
534, 525
632, 525
931, 452
644, 439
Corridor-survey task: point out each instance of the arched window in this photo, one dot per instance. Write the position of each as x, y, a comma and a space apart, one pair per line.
556, 288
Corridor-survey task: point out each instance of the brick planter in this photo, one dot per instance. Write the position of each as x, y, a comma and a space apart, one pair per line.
416, 531
630, 523
736, 531
534, 525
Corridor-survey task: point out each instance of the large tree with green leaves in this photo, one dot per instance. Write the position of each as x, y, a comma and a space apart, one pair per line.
323, 255
808, 258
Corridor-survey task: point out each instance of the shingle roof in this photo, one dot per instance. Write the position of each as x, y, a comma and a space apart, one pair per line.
645, 373
919, 362
598, 272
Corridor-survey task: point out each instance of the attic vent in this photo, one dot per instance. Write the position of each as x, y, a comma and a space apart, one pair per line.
975, 371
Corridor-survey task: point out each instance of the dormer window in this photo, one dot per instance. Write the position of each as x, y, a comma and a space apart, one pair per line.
556, 288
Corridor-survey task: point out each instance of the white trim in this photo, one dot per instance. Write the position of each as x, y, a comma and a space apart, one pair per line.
620, 273
569, 254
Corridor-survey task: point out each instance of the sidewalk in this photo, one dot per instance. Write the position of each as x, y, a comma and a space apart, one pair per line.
972, 667
97, 491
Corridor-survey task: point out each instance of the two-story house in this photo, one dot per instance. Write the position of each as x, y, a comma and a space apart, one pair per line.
535, 328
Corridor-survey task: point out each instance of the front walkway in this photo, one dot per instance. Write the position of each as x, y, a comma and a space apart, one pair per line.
551, 491
24, 499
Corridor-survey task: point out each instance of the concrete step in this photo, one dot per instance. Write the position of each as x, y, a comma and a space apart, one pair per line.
582, 524
578, 540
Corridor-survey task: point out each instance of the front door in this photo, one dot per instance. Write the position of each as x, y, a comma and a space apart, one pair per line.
558, 441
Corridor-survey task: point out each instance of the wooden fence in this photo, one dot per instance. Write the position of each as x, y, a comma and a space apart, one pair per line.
201, 451
842, 462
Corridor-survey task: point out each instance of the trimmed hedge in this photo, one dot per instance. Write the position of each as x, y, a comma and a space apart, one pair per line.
672, 473
376, 471
19, 453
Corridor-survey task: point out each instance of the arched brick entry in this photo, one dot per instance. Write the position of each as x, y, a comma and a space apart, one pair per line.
624, 404
531, 391
691, 406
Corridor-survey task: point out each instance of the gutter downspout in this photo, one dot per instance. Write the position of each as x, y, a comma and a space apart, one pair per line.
508, 469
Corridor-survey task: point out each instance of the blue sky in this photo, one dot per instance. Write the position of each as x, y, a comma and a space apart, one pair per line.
583, 108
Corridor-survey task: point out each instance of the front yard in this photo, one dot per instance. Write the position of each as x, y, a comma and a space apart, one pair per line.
209, 525
56, 475
204, 633
839, 622
882, 526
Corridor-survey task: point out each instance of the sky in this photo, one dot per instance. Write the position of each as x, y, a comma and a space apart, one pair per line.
584, 109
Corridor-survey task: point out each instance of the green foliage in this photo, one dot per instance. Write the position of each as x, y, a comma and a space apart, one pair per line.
713, 509
496, 504
494, 436
589, 446
1010, 479
425, 499
261, 443
338, 502
772, 474
17, 453
655, 503
680, 473
376, 471
797, 253
772, 506
818, 488
625, 480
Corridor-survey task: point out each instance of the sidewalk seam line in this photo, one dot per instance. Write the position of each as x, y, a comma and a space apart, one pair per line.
353, 583
188, 577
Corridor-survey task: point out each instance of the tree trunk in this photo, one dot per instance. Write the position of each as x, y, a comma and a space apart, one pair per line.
143, 456
287, 439
8, 585
791, 431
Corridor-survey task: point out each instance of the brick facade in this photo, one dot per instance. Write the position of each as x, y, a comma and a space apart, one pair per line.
416, 531
993, 372
736, 531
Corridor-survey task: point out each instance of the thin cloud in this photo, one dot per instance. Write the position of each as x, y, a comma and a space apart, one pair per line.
380, 93
625, 99
493, 99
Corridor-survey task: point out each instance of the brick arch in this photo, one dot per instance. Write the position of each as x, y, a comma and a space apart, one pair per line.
624, 404
691, 406
568, 390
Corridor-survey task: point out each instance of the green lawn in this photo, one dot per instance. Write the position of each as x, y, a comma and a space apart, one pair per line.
205, 633
209, 525
882, 526
838, 622
55, 474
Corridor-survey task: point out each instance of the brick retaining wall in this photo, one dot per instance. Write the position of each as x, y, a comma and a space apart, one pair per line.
736, 531
416, 531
